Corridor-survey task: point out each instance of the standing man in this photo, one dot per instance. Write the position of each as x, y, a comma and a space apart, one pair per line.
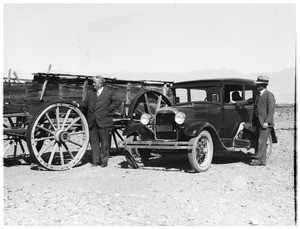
263, 118
100, 104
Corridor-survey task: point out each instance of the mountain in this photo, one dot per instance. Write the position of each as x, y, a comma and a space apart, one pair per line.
281, 83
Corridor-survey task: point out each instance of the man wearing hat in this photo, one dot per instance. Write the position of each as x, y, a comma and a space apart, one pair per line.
263, 118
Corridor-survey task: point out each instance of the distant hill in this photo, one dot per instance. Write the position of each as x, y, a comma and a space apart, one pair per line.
282, 83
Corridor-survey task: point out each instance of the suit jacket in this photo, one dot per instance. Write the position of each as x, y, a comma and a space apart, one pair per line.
100, 108
265, 104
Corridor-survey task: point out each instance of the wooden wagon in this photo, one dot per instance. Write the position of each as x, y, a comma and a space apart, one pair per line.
40, 113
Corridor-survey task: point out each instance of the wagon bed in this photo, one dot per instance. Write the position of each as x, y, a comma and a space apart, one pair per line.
37, 110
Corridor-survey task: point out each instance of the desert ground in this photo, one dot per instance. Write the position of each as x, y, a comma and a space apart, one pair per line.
164, 193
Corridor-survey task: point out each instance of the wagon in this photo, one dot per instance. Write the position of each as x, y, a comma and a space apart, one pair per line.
40, 113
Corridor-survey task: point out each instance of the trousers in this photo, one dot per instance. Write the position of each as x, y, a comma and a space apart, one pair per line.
100, 141
261, 138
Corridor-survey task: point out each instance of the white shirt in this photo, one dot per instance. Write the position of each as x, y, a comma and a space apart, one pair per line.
262, 91
99, 91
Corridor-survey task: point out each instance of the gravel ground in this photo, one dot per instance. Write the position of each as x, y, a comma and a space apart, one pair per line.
230, 193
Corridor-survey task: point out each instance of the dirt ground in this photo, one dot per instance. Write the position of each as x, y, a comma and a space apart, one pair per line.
230, 193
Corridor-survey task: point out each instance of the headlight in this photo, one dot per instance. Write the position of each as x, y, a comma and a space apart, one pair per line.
180, 118
145, 119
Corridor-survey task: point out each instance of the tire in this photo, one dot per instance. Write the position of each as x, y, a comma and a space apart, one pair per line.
269, 146
200, 157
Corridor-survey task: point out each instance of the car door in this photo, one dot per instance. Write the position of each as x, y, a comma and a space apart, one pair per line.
233, 116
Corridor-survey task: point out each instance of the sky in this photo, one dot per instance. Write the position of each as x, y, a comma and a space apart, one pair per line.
176, 38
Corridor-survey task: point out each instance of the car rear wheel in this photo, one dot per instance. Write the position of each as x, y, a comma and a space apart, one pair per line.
201, 154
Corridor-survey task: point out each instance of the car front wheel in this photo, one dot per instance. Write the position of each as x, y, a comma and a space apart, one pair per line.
201, 154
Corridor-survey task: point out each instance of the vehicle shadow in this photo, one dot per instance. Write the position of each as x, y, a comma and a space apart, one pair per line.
169, 162
180, 162
228, 157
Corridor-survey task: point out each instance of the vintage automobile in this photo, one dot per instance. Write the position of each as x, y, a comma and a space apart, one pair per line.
201, 120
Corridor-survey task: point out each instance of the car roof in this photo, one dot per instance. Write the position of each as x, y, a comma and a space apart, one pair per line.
213, 82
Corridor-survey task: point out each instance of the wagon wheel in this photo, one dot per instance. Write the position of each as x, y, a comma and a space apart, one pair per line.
269, 146
58, 136
147, 102
14, 134
137, 157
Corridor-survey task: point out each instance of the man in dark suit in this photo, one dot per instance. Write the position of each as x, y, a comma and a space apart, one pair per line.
263, 118
100, 104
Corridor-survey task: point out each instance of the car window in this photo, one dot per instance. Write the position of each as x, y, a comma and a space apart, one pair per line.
233, 92
181, 95
198, 95
249, 92
209, 94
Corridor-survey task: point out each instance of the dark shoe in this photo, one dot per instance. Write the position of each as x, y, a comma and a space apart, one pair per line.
103, 165
255, 162
95, 164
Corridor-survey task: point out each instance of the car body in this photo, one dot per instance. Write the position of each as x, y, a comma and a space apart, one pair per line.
201, 120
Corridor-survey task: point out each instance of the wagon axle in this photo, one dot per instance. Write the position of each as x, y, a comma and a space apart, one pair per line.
61, 136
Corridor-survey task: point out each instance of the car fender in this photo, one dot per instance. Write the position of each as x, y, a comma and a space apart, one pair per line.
138, 128
195, 128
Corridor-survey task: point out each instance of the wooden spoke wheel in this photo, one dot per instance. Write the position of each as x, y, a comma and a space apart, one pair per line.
147, 102
269, 146
58, 136
137, 157
14, 134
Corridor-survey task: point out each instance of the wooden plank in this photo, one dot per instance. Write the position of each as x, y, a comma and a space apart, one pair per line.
24, 114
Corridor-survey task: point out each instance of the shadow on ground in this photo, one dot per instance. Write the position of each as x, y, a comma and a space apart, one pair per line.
181, 162
163, 162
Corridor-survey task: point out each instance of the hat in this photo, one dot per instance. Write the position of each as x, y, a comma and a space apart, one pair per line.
262, 80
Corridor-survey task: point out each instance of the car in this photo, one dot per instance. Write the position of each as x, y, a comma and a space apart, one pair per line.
200, 120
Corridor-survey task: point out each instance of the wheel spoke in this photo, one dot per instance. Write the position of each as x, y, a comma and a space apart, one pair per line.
74, 121
43, 139
50, 121
21, 145
67, 148
46, 148
43, 128
199, 158
61, 155
57, 117
66, 118
147, 104
76, 133
10, 144
75, 143
11, 122
138, 110
52, 154
158, 105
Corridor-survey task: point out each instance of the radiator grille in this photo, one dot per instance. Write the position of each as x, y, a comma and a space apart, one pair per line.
165, 128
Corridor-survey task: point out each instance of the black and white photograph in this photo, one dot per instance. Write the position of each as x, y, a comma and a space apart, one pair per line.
166, 113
